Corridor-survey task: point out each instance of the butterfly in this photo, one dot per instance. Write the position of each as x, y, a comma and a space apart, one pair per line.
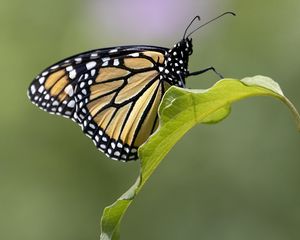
114, 93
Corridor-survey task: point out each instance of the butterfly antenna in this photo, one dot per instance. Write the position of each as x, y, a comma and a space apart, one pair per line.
223, 14
197, 17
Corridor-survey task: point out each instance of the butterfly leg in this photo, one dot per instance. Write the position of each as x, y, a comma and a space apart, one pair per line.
205, 70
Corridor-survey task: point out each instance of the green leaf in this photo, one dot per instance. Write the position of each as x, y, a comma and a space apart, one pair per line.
180, 110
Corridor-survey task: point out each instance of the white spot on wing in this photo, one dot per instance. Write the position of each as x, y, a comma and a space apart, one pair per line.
41, 89
134, 54
116, 62
90, 65
78, 60
54, 67
32, 89
103, 146
72, 74
84, 92
71, 104
41, 80
119, 145
105, 59
113, 50
82, 84
105, 64
69, 68
69, 90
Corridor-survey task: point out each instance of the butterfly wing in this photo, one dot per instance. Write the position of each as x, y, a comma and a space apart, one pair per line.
113, 94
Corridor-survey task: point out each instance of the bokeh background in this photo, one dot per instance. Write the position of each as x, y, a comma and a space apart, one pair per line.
239, 179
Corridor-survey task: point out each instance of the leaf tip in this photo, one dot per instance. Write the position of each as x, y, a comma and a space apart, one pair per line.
263, 81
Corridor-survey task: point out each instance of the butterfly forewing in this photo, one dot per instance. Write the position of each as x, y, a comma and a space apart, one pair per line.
53, 90
113, 94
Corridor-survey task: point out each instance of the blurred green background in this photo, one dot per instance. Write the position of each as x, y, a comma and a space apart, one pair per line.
235, 180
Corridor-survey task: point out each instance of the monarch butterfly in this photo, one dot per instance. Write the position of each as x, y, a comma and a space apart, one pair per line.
114, 93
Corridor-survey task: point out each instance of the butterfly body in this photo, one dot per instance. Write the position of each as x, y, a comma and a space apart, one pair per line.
113, 93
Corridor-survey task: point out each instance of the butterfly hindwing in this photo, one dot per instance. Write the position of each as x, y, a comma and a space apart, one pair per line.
117, 104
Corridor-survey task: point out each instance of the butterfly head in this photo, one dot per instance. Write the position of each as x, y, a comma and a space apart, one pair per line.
186, 46
176, 59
